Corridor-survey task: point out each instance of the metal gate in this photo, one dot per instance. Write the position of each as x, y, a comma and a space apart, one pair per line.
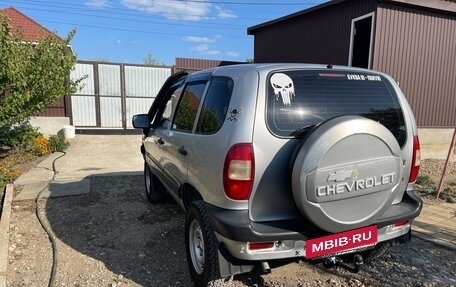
112, 93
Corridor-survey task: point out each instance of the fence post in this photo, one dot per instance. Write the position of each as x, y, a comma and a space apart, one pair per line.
439, 189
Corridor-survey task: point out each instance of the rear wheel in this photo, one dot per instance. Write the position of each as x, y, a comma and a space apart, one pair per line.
202, 248
372, 255
155, 191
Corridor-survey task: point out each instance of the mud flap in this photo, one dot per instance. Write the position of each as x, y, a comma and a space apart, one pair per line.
228, 265
406, 238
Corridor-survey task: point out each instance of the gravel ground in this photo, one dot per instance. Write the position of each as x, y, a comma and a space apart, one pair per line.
113, 237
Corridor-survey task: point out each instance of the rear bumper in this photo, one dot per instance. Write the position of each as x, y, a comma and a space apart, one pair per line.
234, 229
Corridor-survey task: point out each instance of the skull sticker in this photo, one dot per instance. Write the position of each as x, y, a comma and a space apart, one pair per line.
283, 86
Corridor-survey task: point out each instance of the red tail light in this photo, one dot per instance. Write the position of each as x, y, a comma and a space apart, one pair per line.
401, 223
238, 171
416, 160
260, 245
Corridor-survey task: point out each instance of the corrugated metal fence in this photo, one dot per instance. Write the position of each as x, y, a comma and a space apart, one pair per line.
112, 93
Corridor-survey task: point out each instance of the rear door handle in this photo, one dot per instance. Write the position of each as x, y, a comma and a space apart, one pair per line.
161, 141
183, 151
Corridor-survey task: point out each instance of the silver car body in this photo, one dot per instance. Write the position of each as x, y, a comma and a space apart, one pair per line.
202, 165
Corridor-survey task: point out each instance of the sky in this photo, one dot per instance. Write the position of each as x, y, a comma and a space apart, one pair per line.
126, 31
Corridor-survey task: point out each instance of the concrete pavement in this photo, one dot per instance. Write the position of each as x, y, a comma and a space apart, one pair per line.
88, 155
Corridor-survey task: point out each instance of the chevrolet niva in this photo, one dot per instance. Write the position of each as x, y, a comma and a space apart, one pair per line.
274, 161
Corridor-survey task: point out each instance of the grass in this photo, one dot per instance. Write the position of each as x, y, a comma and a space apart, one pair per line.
424, 180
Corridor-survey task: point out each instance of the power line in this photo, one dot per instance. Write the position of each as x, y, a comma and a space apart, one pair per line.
134, 30
123, 10
247, 3
212, 25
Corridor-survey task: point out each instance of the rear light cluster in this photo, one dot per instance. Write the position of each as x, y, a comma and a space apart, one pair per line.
238, 171
416, 160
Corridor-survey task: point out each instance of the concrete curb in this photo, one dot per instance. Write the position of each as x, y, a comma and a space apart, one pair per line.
4, 232
433, 240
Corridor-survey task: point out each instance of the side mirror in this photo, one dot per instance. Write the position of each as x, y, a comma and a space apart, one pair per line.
140, 121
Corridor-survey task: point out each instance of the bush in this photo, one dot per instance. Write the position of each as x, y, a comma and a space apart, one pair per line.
58, 142
424, 180
19, 137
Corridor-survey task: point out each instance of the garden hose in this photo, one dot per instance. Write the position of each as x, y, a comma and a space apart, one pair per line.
46, 228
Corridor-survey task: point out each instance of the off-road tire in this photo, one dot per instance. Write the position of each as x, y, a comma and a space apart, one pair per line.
374, 254
209, 275
155, 191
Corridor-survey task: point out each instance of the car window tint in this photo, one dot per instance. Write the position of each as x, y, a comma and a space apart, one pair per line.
298, 100
188, 106
215, 105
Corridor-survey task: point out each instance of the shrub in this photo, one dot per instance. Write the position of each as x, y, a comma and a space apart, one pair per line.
424, 180
19, 137
58, 142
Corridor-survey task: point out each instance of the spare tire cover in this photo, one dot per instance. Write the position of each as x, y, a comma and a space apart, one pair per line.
347, 173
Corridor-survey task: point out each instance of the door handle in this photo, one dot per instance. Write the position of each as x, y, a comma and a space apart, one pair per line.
161, 141
183, 151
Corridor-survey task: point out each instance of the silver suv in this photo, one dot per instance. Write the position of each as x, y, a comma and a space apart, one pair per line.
276, 161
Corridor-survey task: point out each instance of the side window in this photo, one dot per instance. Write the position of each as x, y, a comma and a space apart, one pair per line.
188, 106
215, 105
172, 102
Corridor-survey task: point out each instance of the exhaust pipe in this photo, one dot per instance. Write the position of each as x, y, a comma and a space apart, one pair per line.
265, 267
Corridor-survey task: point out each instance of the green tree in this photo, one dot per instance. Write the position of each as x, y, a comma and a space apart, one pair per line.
149, 59
32, 75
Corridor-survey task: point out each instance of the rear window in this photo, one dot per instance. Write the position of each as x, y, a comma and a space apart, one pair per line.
300, 99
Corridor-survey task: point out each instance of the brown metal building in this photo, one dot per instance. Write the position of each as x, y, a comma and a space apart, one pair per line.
191, 65
412, 40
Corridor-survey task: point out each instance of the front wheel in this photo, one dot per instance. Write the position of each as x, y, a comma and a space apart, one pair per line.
155, 191
202, 248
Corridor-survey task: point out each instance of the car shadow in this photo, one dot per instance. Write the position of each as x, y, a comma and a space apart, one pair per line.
115, 225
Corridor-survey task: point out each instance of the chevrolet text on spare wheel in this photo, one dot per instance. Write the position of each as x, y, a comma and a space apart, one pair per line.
274, 161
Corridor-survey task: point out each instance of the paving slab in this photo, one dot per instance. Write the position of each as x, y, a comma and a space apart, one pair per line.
87, 156
93, 155
54, 189
36, 174
437, 223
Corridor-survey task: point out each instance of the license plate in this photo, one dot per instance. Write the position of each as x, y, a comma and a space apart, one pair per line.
342, 242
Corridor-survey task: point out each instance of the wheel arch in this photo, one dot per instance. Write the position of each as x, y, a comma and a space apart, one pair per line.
189, 194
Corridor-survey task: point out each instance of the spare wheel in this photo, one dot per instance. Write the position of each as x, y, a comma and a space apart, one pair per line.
347, 173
